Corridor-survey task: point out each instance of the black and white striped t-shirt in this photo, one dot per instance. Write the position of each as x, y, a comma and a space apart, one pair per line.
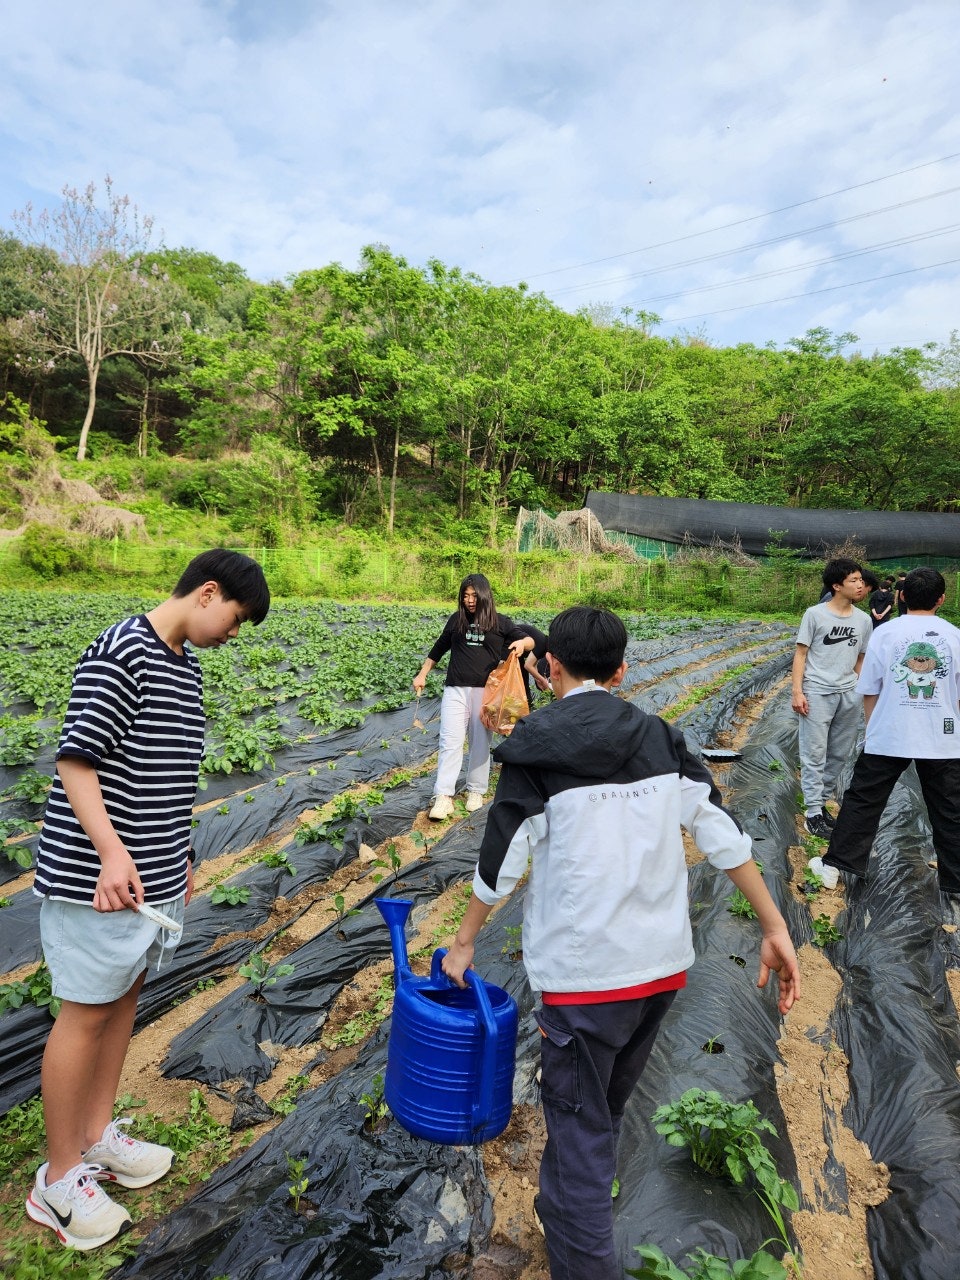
136, 713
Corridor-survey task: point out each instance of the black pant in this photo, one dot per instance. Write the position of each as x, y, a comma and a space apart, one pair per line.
592, 1056
873, 779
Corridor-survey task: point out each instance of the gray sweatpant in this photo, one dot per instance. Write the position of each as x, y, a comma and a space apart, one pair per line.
828, 737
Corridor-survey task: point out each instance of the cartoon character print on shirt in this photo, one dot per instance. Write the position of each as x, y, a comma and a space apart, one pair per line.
473, 635
918, 668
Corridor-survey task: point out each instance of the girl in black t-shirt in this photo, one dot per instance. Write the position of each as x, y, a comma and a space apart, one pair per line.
477, 638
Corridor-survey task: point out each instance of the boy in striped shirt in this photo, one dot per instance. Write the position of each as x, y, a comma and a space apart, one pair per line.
116, 837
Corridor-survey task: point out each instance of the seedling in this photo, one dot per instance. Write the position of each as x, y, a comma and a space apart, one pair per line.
230, 895
36, 989
317, 832
775, 766
340, 911
514, 943
713, 1045
812, 883
19, 855
398, 779
423, 842
706, 1266
725, 1138
361, 1024
824, 931
224, 809
298, 1180
31, 786
286, 1101
279, 858
740, 906
260, 974
376, 1109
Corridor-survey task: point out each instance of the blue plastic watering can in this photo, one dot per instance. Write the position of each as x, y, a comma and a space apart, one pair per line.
451, 1054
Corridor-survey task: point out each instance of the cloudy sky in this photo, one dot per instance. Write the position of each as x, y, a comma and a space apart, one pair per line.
746, 170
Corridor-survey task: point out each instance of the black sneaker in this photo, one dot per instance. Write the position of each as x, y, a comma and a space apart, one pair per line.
829, 819
817, 825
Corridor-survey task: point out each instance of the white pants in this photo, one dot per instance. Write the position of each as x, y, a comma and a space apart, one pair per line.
459, 723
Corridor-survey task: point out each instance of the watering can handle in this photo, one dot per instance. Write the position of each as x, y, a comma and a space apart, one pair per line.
483, 1107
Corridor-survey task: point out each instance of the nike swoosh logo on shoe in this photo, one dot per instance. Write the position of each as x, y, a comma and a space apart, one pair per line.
63, 1220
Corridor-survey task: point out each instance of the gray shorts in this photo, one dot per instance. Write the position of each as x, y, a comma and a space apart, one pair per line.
95, 957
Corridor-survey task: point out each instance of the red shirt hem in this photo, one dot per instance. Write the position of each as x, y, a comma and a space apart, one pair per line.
638, 992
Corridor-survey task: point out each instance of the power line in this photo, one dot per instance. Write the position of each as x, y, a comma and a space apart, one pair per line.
811, 262
812, 293
759, 244
740, 222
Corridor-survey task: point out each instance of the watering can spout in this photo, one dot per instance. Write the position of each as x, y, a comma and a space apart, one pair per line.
395, 912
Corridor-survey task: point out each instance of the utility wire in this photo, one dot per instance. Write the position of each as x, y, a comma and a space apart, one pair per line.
803, 266
740, 222
758, 244
812, 293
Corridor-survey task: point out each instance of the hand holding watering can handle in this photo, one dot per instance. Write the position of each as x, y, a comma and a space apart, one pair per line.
483, 1107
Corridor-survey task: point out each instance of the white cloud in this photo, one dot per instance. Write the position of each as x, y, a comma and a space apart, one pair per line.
517, 140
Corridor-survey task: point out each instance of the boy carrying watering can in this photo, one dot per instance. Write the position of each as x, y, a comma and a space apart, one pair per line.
593, 793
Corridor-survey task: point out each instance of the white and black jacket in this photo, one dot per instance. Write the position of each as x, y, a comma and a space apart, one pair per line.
593, 793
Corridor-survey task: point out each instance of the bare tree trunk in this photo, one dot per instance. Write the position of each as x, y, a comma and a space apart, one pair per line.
142, 436
93, 371
464, 462
378, 476
393, 478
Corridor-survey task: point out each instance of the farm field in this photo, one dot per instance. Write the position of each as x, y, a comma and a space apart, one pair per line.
259, 1046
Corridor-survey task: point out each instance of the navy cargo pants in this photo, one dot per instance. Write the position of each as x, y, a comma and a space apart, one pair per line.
592, 1056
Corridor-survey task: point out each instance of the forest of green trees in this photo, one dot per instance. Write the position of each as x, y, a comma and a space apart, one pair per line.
343, 383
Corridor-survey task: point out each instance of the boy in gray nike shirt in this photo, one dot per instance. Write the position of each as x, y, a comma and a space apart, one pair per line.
831, 643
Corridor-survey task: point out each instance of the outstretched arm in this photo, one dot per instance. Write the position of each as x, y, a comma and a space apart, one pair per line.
776, 951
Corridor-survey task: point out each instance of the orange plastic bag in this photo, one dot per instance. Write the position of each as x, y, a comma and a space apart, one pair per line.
504, 697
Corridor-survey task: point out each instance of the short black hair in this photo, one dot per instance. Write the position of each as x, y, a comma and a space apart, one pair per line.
838, 570
922, 588
238, 577
871, 579
589, 642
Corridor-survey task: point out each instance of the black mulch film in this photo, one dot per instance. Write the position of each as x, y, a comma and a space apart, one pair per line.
390, 1205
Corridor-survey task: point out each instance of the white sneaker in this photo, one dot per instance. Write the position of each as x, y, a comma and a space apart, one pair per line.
442, 808
829, 875
128, 1161
76, 1208
474, 801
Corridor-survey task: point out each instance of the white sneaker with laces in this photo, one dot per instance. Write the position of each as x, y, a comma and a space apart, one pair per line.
474, 801
76, 1208
442, 808
127, 1160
